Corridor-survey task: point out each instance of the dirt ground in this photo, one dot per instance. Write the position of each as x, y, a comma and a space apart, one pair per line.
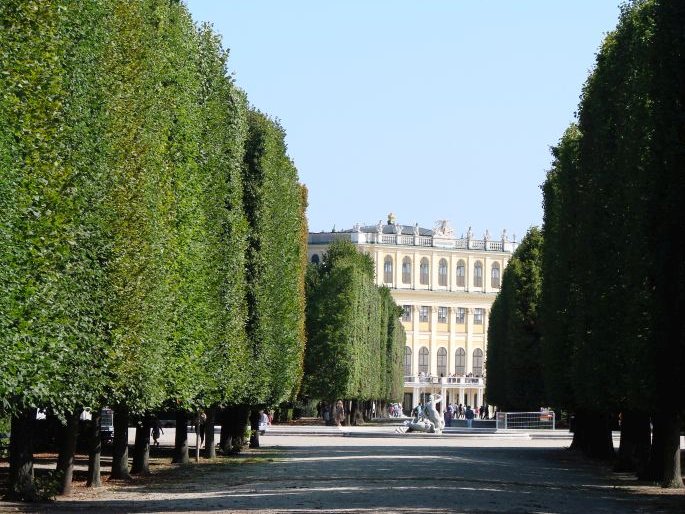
297, 472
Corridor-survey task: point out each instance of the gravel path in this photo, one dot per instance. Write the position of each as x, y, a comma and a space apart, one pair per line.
356, 473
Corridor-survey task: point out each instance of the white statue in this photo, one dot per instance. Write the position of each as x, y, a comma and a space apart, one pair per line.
428, 419
469, 234
505, 238
416, 229
379, 227
398, 229
442, 229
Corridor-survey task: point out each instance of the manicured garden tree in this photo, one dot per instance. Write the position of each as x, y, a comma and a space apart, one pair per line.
349, 354
141, 212
223, 110
496, 365
188, 274
272, 199
623, 294
665, 182
394, 341
51, 280
559, 274
514, 334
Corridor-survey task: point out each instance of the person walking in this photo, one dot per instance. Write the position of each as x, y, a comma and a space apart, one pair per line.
156, 430
469, 415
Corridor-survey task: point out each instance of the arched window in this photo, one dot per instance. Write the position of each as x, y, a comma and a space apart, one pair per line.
424, 360
477, 362
460, 362
494, 276
387, 270
315, 258
442, 362
461, 274
424, 271
407, 361
442, 272
478, 274
406, 270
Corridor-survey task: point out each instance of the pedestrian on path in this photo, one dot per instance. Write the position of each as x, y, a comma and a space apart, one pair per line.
469, 415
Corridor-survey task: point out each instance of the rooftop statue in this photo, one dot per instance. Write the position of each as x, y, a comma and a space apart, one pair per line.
442, 228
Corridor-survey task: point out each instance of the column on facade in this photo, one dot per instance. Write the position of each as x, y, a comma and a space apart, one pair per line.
415, 339
469, 340
433, 347
468, 262
398, 269
416, 266
415, 397
486, 275
486, 323
452, 340
433, 271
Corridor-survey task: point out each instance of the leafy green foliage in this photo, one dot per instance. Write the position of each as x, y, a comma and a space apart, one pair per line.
273, 207
123, 239
514, 369
614, 286
355, 340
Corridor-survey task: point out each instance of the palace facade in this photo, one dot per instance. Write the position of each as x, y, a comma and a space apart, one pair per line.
446, 286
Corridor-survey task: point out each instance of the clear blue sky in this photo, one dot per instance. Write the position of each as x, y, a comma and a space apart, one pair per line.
429, 109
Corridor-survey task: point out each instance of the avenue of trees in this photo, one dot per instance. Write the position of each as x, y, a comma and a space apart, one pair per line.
608, 316
152, 231
355, 340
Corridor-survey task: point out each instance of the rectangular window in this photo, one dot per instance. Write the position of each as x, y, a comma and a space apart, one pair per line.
423, 314
406, 313
461, 315
478, 316
442, 314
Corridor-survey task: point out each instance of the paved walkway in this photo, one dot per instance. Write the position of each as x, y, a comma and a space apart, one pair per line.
298, 472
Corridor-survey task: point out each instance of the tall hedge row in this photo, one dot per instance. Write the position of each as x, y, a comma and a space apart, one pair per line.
150, 221
613, 270
354, 337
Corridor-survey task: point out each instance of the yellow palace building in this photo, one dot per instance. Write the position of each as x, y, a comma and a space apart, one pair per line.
446, 286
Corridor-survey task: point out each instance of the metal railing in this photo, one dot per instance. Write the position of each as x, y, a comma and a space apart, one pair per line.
542, 420
447, 381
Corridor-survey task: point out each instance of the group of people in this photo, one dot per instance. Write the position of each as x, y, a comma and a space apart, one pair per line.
464, 412
395, 410
331, 414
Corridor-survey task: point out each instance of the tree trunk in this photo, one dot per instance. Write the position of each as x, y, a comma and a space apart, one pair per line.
356, 414
655, 468
224, 436
120, 444
592, 435
181, 441
141, 450
643, 435
65, 459
21, 486
210, 446
254, 428
631, 452
95, 449
671, 478
601, 443
236, 419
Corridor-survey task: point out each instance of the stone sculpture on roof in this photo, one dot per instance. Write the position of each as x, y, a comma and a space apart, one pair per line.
442, 228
